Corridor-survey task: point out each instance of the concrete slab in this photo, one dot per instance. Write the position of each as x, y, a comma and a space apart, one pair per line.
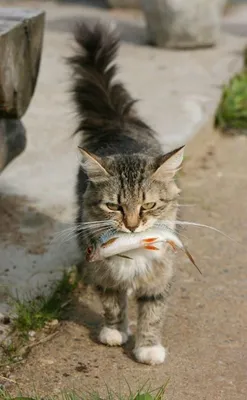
179, 91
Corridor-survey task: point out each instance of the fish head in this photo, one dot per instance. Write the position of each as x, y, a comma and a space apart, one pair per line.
92, 253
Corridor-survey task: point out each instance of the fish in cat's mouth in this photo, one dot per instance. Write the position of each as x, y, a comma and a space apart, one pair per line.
113, 243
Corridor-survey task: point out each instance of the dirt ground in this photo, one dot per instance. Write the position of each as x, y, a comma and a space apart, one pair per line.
206, 325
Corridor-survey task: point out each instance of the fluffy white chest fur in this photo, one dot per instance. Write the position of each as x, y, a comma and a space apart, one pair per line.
124, 269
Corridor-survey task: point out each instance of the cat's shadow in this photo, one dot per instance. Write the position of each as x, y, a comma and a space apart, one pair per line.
87, 311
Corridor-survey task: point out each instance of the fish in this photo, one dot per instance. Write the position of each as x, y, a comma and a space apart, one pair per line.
122, 244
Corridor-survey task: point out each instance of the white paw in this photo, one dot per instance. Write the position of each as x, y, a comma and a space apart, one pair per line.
112, 337
151, 355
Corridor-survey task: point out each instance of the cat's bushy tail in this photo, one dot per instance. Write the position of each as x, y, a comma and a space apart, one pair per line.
100, 101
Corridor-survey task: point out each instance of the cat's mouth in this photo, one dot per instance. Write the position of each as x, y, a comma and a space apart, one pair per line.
140, 228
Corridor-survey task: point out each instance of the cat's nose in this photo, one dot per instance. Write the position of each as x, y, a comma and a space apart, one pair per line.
132, 222
132, 228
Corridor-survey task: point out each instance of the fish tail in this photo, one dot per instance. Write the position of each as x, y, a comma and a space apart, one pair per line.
192, 259
172, 244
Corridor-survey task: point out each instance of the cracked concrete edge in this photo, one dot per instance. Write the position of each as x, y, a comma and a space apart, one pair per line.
196, 147
203, 137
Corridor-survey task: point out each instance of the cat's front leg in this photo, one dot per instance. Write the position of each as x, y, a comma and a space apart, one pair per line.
148, 347
115, 330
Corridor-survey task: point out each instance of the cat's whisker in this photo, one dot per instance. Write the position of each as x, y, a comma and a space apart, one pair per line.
173, 229
82, 234
92, 226
65, 237
84, 226
189, 223
68, 237
186, 205
61, 234
96, 222
92, 234
65, 234
94, 231
197, 224
70, 228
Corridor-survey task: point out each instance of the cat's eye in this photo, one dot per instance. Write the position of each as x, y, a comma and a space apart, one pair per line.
113, 206
148, 206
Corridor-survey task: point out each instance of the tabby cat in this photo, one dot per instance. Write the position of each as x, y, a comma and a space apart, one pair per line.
124, 182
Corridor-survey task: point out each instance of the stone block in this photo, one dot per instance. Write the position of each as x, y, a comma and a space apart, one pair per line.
124, 3
21, 38
183, 24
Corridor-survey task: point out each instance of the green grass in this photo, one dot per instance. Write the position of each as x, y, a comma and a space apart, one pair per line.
141, 394
92, 396
32, 315
231, 115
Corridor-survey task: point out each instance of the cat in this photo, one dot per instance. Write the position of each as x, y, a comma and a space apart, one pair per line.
124, 182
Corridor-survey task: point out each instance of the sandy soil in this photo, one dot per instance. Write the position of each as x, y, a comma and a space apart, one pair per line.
205, 330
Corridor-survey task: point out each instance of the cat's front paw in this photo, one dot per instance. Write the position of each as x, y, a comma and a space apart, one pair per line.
112, 337
152, 355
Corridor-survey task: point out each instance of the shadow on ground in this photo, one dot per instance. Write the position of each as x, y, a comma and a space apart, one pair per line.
86, 311
35, 247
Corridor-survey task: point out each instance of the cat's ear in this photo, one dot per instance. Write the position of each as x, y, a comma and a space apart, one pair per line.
93, 166
169, 164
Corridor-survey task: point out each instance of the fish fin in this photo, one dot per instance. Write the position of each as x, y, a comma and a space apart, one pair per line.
149, 240
172, 244
123, 256
192, 259
109, 242
150, 247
